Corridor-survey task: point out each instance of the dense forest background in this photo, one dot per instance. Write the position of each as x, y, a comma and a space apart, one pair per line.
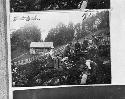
39, 5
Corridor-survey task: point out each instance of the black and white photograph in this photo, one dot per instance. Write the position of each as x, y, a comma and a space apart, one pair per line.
60, 48
41, 5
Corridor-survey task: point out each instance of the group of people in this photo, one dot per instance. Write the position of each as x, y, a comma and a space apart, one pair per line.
87, 49
71, 62
78, 62
80, 55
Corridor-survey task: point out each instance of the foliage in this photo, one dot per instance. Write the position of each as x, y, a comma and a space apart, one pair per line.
22, 38
98, 4
105, 19
63, 34
38, 5
60, 35
93, 23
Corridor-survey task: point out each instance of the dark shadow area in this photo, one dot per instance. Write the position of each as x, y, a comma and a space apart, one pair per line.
86, 92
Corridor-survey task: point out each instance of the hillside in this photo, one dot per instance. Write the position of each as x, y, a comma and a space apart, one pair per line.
60, 50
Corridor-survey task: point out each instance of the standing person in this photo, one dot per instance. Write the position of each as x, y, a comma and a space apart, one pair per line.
77, 50
84, 45
92, 50
95, 40
77, 47
50, 61
67, 50
92, 66
90, 47
83, 4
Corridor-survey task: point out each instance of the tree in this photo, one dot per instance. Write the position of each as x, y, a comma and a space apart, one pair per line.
34, 5
61, 35
23, 37
38, 5
105, 19
98, 4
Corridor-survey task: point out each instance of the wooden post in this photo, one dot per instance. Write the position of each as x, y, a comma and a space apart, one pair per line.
3, 51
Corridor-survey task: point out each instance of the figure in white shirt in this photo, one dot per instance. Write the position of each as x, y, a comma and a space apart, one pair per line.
83, 4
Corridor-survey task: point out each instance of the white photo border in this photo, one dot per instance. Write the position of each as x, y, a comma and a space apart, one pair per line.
120, 70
